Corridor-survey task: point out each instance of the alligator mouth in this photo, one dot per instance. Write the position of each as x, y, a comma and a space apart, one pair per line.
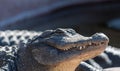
89, 45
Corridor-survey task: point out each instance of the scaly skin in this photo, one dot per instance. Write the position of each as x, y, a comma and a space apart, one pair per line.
59, 50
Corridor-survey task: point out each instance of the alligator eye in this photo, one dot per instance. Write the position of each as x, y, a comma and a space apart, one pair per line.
59, 31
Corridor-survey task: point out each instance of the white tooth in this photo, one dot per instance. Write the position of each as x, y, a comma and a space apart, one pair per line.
80, 47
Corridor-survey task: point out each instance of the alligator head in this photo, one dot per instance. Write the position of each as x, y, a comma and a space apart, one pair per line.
64, 49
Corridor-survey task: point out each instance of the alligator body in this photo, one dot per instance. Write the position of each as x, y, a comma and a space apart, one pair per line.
52, 50
8, 47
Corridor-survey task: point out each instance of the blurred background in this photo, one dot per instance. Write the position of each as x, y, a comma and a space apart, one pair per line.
85, 16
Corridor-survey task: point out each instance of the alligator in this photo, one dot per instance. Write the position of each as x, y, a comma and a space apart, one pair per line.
51, 50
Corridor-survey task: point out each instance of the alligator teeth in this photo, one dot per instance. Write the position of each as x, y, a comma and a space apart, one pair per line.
85, 46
